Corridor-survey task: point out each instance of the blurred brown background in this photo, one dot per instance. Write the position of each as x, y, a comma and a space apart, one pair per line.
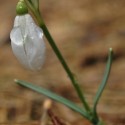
84, 30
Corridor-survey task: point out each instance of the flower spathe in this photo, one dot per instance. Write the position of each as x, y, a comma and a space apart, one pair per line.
27, 42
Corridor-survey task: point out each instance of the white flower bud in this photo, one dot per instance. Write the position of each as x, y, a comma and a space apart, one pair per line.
27, 42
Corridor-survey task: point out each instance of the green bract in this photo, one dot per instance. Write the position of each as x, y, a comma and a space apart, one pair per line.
21, 8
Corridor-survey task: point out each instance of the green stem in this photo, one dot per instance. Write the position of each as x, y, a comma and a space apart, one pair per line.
65, 66
61, 59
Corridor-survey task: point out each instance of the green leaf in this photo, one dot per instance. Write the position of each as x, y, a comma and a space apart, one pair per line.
53, 96
104, 81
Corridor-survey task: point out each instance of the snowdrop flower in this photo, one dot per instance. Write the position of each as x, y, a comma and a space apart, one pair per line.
27, 39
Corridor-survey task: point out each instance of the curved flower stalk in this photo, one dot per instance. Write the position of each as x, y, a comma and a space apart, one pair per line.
27, 41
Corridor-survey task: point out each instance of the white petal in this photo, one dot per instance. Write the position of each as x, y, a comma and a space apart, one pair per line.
27, 42
18, 47
35, 50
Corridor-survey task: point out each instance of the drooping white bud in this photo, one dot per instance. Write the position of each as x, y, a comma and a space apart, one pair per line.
27, 42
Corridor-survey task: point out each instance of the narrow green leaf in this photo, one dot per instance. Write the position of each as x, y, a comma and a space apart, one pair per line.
53, 96
104, 81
